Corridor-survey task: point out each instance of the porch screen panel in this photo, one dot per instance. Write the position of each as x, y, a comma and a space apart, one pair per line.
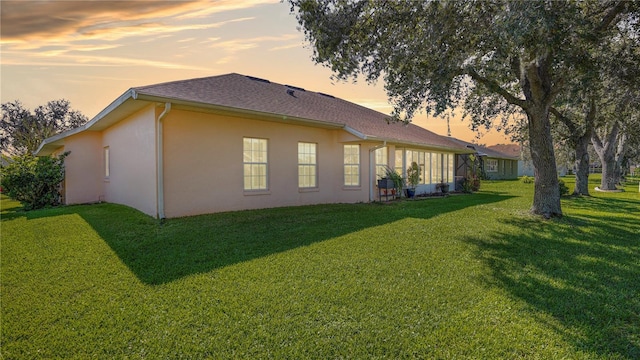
381, 162
399, 165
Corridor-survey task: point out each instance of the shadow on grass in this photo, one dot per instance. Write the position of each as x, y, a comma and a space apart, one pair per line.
583, 270
159, 253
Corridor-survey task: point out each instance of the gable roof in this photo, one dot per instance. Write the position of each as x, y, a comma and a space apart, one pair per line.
487, 151
507, 149
250, 96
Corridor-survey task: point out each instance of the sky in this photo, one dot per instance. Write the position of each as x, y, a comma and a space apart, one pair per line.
91, 52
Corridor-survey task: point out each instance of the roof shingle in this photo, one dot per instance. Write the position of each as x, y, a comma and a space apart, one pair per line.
254, 94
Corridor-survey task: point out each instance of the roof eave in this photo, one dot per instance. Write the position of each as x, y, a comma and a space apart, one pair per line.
49, 145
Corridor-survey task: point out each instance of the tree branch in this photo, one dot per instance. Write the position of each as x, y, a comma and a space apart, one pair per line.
495, 87
610, 16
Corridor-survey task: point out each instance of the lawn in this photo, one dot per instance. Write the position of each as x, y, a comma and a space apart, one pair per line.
467, 276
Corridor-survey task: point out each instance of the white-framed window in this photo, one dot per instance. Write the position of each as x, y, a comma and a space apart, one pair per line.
381, 162
399, 163
255, 161
491, 165
307, 165
351, 165
436, 168
107, 162
450, 168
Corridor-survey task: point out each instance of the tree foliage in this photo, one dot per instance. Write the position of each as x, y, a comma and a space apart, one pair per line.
22, 131
493, 58
34, 181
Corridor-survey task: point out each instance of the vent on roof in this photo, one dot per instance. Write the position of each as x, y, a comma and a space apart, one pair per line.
471, 147
291, 92
327, 95
259, 79
295, 88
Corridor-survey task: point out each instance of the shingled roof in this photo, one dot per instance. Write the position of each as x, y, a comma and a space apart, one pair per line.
241, 94
263, 96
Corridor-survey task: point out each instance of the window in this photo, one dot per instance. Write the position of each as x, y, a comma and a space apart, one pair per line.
106, 162
307, 165
492, 165
399, 166
255, 163
381, 162
450, 168
352, 165
436, 168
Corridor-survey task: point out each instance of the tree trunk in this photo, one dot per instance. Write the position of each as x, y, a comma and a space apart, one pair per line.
607, 153
535, 80
581, 165
546, 196
620, 153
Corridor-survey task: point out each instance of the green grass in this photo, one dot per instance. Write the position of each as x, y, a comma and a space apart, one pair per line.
469, 276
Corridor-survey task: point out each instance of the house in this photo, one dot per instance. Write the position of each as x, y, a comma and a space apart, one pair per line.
493, 164
234, 142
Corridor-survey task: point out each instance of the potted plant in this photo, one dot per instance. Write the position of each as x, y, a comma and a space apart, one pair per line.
390, 184
443, 187
398, 181
413, 179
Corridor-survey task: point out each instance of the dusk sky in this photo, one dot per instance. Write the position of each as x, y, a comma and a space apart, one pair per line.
90, 52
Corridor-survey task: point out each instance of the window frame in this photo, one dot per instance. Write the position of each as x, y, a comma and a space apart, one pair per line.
491, 165
254, 163
313, 164
351, 165
107, 162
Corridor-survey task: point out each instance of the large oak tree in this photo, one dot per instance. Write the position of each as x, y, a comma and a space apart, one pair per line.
491, 57
22, 131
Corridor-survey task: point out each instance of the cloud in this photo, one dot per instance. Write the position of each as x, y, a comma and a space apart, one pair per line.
231, 47
60, 58
51, 20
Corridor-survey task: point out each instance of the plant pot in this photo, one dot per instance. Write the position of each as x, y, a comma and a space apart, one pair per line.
444, 188
386, 184
410, 193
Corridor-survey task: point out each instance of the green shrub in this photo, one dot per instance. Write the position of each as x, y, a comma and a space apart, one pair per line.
526, 179
470, 184
564, 189
35, 182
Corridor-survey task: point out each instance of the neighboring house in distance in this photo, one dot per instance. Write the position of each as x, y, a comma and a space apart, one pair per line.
525, 165
235, 142
496, 165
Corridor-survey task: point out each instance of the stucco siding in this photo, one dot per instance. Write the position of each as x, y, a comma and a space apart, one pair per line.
132, 162
83, 170
203, 164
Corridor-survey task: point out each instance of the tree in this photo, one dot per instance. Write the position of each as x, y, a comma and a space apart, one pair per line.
22, 131
493, 58
34, 181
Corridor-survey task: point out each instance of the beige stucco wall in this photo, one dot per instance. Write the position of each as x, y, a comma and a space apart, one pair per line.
203, 164
132, 152
83, 168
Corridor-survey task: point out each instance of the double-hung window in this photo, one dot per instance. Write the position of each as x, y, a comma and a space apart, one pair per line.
307, 165
492, 165
255, 159
352, 165
107, 165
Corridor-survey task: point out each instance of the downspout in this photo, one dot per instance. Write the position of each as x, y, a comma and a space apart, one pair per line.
372, 167
160, 159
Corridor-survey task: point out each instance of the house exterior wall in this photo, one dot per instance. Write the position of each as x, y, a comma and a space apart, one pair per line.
506, 169
83, 176
203, 164
132, 161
